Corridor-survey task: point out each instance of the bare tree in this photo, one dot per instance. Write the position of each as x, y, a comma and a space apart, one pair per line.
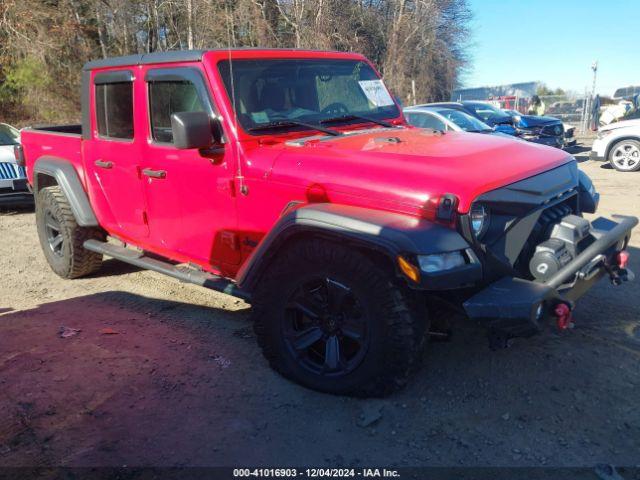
419, 45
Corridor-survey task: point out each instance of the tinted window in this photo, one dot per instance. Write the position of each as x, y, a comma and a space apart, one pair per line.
463, 120
425, 120
487, 112
167, 98
8, 135
312, 91
114, 110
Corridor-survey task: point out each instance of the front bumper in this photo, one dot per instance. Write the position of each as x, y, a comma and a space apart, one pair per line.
599, 149
516, 307
15, 192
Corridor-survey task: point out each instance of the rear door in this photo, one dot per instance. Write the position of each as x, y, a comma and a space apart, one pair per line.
112, 155
189, 193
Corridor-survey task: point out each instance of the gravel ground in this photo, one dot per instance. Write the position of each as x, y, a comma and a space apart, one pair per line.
168, 374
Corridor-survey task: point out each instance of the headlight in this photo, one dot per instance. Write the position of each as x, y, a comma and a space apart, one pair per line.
479, 219
441, 261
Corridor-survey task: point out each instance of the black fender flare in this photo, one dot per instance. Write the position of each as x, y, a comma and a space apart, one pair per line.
390, 233
68, 180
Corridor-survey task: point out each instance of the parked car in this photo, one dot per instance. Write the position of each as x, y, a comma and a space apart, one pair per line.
447, 119
290, 179
542, 129
13, 180
619, 144
486, 113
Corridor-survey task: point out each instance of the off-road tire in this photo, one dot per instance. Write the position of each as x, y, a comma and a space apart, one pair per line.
396, 320
71, 260
623, 165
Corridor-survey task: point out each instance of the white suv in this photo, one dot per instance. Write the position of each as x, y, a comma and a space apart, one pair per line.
13, 179
619, 143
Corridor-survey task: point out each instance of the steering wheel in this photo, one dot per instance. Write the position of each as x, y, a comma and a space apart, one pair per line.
335, 108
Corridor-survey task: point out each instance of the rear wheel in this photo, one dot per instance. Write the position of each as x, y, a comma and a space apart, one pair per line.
625, 156
61, 238
331, 319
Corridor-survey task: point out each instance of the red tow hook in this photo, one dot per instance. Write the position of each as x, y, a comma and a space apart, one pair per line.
563, 316
622, 259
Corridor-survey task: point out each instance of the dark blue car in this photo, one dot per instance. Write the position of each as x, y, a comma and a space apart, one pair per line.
541, 129
485, 112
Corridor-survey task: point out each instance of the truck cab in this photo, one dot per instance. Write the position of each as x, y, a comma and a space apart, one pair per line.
290, 178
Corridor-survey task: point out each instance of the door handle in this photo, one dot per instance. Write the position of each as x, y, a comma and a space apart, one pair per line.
103, 164
154, 173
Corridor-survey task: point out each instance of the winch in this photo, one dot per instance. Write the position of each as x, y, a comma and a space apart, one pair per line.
567, 239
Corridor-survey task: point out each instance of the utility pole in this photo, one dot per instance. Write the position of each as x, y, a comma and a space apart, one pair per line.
594, 67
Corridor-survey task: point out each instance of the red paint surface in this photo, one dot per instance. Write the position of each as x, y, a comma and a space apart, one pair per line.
197, 213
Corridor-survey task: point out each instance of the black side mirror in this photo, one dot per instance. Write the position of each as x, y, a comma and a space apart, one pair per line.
194, 130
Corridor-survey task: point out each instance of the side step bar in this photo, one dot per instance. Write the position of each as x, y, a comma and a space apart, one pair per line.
184, 274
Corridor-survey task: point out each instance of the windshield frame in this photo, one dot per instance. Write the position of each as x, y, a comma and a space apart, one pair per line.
396, 119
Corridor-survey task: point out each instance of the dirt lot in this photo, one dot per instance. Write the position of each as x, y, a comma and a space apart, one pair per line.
182, 382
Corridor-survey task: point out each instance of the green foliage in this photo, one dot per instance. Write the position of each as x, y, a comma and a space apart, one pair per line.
22, 76
544, 91
25, 84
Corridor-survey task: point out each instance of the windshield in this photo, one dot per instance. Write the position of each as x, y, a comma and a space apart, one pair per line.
487, 111
464, 120
8, 135
308, 91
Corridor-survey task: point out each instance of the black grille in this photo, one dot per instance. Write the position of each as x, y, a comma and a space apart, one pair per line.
11, 170
542, 231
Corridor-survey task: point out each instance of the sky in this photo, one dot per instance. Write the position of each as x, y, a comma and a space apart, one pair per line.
556, 42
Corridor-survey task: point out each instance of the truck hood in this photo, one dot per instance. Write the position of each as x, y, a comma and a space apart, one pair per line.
403, 169
528, 121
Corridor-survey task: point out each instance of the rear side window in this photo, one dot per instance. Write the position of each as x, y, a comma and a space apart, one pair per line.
114, 110
167, 98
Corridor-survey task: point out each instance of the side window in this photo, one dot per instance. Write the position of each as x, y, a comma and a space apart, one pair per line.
425, 120
167, 98
114, 110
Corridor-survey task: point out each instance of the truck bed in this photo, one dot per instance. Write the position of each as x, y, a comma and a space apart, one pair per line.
61, 141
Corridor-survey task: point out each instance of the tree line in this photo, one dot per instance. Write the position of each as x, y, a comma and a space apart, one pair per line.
419, 46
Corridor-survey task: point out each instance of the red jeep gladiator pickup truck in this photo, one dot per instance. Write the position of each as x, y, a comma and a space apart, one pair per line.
290, 179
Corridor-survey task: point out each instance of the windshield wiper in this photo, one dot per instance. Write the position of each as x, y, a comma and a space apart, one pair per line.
293, 123
347, 117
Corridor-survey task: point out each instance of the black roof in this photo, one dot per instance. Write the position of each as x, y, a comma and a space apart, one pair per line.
168, 57
146, 58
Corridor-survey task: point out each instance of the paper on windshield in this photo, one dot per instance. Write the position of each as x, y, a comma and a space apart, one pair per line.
376, 92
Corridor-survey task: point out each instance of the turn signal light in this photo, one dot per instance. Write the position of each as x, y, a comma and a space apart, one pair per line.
409, 270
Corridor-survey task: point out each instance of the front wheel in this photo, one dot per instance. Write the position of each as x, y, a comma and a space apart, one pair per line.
332, 319
625, 156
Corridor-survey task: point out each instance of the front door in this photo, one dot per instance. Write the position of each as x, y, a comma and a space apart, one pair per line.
190, 203
112, 156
